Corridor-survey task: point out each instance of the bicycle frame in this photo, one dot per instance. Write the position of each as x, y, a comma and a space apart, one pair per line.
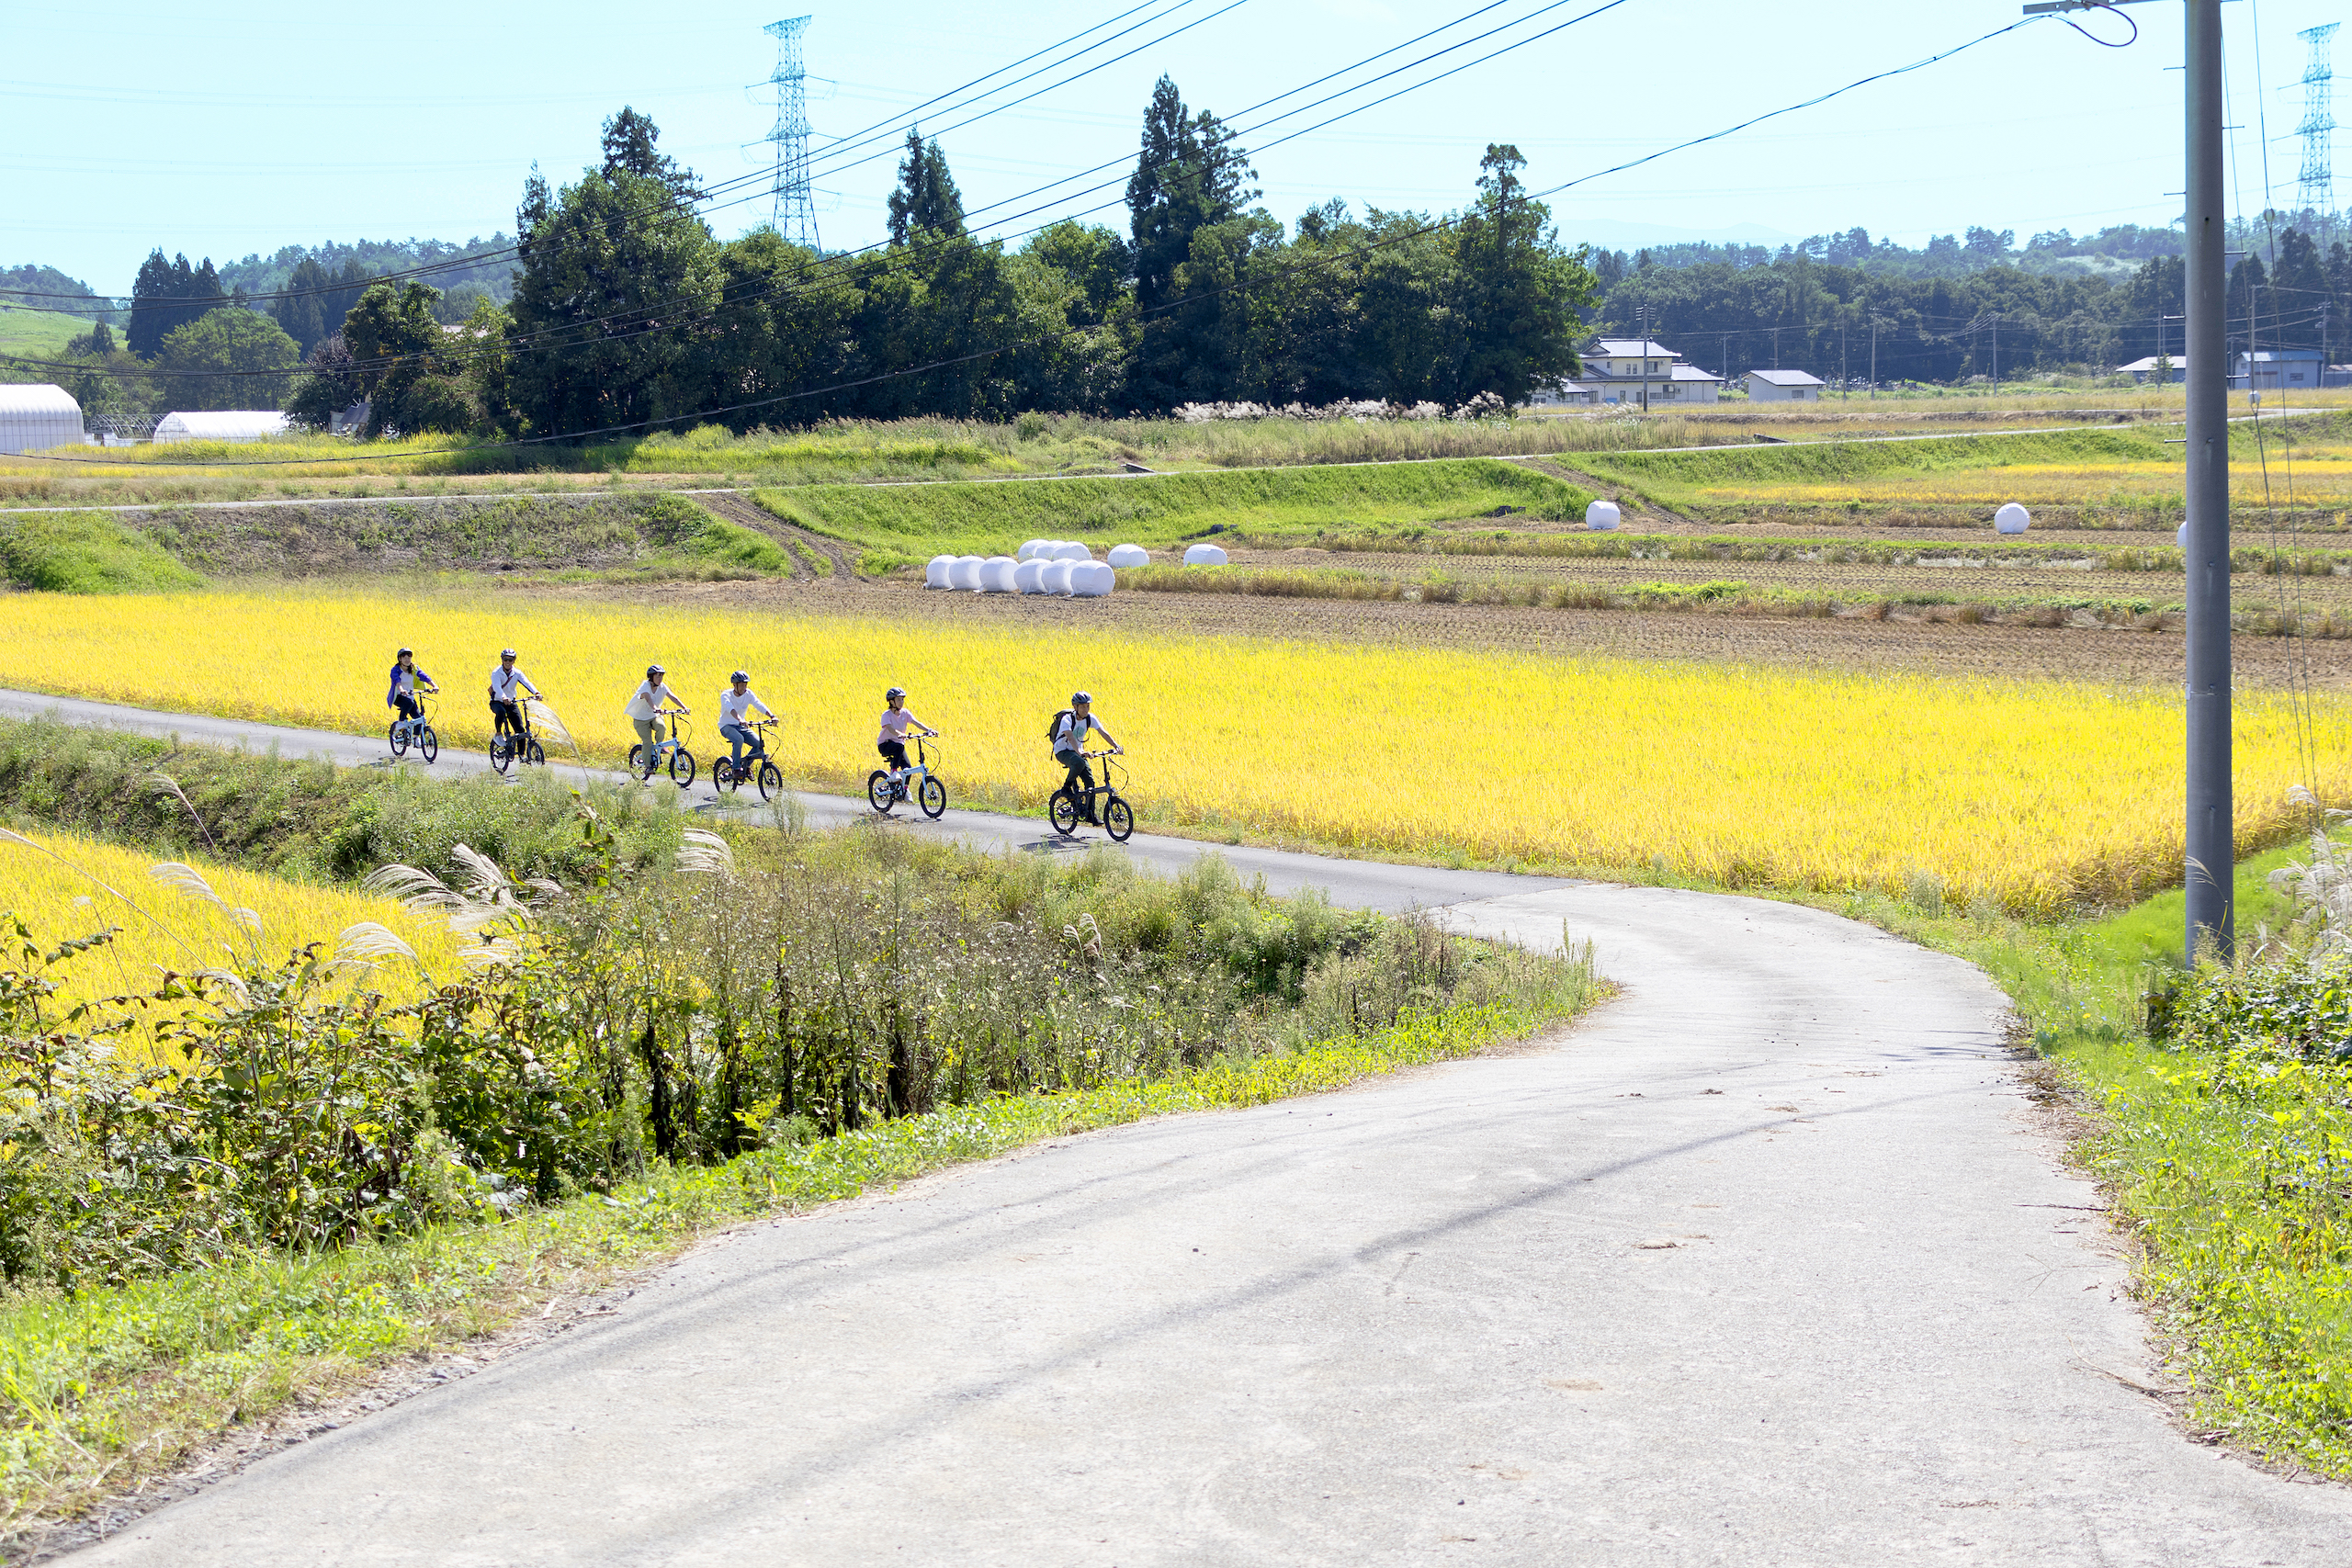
424, 715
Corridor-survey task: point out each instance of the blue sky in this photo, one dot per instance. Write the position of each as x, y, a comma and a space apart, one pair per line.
240, 128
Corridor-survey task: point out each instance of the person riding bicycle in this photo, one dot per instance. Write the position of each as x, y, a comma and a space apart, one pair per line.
645, 711
1068, 737
505, 707
895, 722
406, 681
733, 704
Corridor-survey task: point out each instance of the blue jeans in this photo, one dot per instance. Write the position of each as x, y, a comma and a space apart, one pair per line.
738, 736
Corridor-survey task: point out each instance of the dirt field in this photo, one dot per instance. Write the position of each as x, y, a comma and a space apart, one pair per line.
1900, 642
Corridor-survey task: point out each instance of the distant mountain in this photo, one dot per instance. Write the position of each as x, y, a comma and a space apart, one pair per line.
30, 283
257, 273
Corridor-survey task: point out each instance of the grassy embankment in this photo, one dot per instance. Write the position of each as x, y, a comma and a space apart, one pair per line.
36, 334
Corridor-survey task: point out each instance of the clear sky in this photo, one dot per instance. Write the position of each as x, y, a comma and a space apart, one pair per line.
238, 126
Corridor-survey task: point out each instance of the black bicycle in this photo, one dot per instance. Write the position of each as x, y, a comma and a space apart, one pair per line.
1074, 804
920, 783
755, 767
508, 747
417, 731
682, 761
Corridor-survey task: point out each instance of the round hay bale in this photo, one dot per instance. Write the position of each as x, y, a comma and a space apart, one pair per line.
996, 574
1071, 549
1028, 577
1130, 555
1602, 516
2012, 518
1030, 547
1054, 579
935, 574
1204, 555
1090, 580
966, 573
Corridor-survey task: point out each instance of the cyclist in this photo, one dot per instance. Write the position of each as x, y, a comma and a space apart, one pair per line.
733, 704
895, 722
1068, 737
406, 681
645, 711
505, 707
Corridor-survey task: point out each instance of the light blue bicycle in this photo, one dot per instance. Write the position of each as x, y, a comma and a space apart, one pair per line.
682, 761
416, 731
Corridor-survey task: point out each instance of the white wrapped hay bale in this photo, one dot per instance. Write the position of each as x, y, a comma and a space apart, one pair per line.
996, 574
2011, 519
1204, 555
966, 573
935, 575
1030, 547
1602, 516
1054, 579
2180, 536
1130, 555
1071, 550
1028, 577
1090, 580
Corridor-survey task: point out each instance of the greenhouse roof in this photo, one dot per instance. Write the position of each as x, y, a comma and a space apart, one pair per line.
21, 398
230, 424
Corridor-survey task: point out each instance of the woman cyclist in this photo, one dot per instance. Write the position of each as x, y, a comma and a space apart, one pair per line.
895, 722
645, 710
407, 681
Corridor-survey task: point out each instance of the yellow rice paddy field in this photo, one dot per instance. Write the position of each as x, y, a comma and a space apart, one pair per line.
66, 887
2041, 794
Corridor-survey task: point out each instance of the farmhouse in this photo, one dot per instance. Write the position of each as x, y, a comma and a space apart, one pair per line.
2278, 369
37, 415
231, 424
1627, 370
1556, 394
1785, 386
2144, 370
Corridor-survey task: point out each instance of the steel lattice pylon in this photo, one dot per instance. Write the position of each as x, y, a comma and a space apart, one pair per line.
2316, 187
795, 208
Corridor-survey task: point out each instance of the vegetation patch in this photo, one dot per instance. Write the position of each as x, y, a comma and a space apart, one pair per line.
1162, 509
86, 552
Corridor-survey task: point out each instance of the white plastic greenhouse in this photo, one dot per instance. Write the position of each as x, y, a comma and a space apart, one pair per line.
233, 425
37, 416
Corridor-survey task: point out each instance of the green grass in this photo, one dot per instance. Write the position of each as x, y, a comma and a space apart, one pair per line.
980, 518
86, 552
101, 1390
36, 334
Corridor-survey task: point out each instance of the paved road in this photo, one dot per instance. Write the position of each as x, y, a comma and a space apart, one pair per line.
1766, 1263
1372, 884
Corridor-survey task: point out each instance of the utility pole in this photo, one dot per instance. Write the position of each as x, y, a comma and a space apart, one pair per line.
2212, 846
1996, 351
1845, 381
1874, 325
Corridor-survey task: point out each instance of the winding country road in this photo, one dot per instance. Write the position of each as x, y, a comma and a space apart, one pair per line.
1768, 1261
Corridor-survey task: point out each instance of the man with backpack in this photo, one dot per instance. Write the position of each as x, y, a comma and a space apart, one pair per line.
1067, 736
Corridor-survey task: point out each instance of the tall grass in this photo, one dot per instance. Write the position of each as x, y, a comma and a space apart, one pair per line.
86, 552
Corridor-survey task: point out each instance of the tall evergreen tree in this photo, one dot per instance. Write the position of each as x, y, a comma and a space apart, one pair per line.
629, 148
1519, 300
1188, 175
926, 201
2247, 308
167, 296
2298, 289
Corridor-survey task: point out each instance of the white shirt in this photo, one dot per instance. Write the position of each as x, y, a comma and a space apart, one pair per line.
731, 707
895, 722
503, 681
1069, 733
649, 698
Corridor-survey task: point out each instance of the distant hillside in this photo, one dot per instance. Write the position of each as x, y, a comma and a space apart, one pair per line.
32, 279
494, 275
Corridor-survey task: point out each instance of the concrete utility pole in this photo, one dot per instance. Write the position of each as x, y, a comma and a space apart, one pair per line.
2211, 842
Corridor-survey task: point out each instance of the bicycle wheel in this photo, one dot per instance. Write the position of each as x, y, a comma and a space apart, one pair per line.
501, 754
1118, 819
682, 767
935, 796
1062, 811
398, 738
636, 759
771, 781
722, 774
534, 756
879, 794
428, 743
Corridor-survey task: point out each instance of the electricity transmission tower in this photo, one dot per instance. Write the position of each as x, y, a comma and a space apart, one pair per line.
796, 209
2314, 187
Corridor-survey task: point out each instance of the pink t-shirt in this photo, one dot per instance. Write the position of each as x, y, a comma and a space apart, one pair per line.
895, 722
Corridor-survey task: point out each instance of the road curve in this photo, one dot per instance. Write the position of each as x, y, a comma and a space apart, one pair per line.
1370, 884
1766, 1262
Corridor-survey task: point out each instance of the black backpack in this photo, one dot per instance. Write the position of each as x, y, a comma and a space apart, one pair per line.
1053, 726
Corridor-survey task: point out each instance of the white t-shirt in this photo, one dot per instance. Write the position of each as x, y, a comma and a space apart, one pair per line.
1069, 733
649, 698
503, 681
731, 708
895, 722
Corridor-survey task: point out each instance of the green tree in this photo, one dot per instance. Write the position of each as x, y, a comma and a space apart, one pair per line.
2298, 291
412, 372
610, 310
1189, 176
167, 296
228, 358
926, 201
312, 301
1519, 298
330, 384
629, 144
